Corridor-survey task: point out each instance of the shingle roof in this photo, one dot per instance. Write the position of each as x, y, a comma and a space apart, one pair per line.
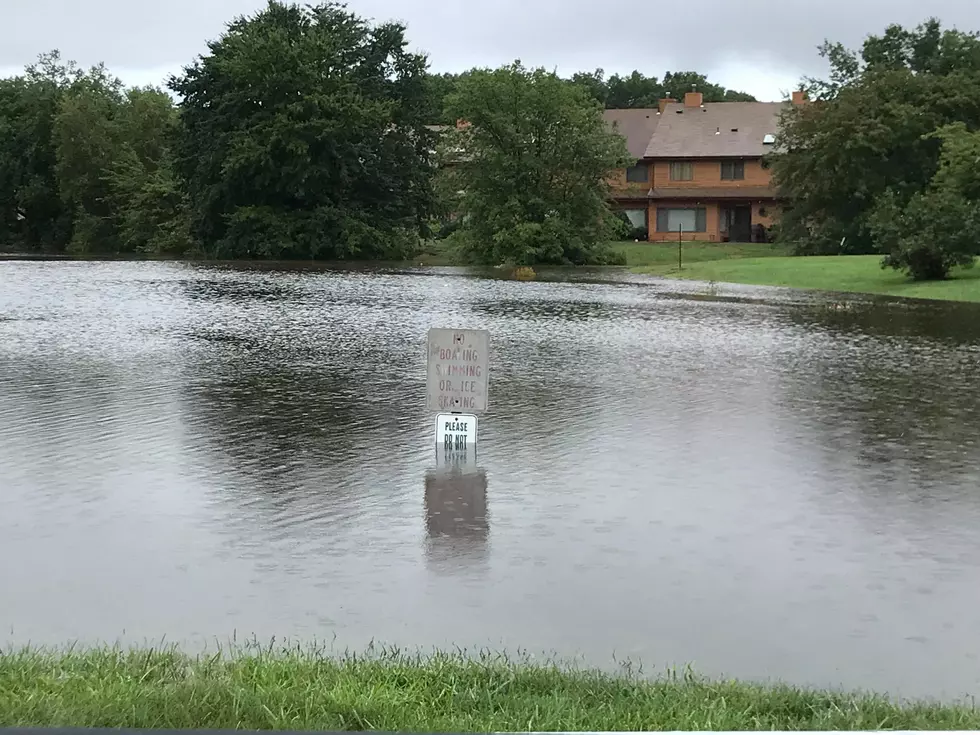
635, 125
714, 130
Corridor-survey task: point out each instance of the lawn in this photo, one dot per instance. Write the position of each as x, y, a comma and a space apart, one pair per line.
846, 273
302, 690
661, 258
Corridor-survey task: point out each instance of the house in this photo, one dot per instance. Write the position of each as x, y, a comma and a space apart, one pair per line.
701, 174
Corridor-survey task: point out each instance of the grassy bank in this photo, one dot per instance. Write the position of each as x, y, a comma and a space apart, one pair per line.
302, 690
848, 273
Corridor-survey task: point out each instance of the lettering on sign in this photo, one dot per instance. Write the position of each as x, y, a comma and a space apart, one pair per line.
455, 432
457, 370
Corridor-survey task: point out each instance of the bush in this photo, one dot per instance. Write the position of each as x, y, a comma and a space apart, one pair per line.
934, 232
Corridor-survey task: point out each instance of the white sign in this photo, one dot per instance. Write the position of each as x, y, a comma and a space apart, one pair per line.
455, 432
458, 370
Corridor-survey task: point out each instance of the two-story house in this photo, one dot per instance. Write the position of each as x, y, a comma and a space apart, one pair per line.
703, 169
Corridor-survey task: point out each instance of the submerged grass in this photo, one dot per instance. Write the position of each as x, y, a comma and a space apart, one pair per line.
262, 688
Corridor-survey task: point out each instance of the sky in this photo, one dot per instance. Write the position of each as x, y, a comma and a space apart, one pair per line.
763, 47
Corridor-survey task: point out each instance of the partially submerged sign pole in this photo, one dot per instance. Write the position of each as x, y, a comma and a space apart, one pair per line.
457, 385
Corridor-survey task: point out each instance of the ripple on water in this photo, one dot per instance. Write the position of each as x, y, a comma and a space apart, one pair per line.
762, 482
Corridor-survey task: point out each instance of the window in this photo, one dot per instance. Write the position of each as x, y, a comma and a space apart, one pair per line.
638, 173
681, 171
732, 170
686, 219
637, 218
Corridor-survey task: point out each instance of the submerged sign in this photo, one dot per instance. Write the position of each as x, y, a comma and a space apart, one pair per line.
457, 370
455, 431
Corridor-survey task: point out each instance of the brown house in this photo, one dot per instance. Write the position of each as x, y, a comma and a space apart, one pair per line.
701, 174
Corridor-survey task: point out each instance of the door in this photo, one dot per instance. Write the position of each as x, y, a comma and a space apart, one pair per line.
739, 223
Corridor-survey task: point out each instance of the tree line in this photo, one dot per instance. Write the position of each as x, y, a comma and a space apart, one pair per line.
302, 132
309, 132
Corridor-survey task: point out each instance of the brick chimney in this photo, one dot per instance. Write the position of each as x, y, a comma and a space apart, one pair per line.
693, 99
799, 97
662, 104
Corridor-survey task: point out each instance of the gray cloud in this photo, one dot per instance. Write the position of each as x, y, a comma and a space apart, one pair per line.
750, 43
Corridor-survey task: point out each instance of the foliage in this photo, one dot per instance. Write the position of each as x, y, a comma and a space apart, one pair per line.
866, 144
527, 174
637, 90
84, 166
935, 230
304, 135
615, 92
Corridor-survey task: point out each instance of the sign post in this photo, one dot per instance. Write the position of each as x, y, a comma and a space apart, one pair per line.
457, 379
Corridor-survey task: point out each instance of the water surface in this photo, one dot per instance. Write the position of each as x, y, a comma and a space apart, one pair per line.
762, 483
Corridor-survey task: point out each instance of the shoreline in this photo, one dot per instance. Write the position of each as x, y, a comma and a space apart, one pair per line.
754, 265
264, 686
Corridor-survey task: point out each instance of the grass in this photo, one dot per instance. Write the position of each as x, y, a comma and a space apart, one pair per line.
301, 689
844, 273
661, 258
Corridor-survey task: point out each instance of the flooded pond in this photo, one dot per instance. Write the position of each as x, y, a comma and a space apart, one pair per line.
764, 484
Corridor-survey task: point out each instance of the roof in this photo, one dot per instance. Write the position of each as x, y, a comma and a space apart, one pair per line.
714, 130
635, 125
726, 192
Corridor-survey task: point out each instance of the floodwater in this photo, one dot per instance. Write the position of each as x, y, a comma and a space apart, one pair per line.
761, 483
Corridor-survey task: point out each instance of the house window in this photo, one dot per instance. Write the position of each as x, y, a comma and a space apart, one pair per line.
732, 170
681, 171
681, 219
637, 218
638, 173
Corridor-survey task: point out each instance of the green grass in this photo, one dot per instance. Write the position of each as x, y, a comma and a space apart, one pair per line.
661, 258
301, 689
846, 273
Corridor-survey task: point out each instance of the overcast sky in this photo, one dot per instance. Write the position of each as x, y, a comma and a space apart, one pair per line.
759, 46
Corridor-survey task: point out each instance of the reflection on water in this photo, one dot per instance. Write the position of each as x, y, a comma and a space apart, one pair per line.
456, 519
761, 483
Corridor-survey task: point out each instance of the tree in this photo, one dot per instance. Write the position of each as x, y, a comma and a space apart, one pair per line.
936, 229
869, 131
87, 139
637, 90
303, 135
76, 157
149, 210
32, 214
529, 169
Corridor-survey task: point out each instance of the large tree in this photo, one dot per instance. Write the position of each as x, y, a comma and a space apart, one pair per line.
527, 171
304, 135
82, 161
869, 133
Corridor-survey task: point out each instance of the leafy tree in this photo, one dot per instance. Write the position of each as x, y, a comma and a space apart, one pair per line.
528, 170
303, 135
71, 143
149, 209
86, 135
935, 230
32, 214
637, 90
869, 131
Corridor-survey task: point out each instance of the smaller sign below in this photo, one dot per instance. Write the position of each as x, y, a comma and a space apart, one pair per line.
455, 431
